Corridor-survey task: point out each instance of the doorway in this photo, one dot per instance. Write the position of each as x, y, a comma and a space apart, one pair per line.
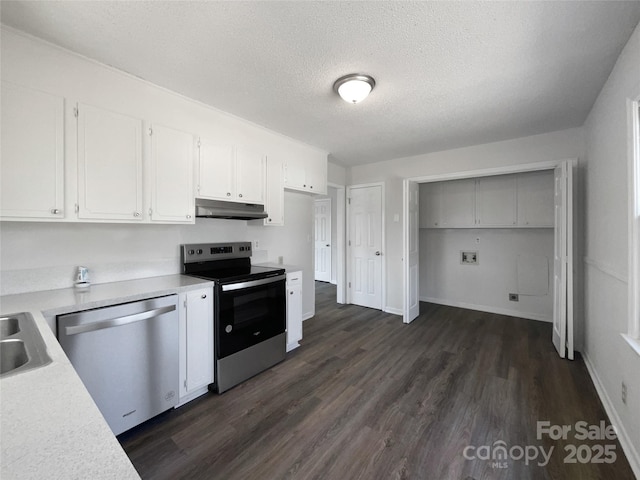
323, 240
562, 290
365, 245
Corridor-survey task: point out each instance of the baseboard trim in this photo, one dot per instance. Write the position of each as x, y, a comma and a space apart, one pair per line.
627, 446
485, 308
307, 316
393, 311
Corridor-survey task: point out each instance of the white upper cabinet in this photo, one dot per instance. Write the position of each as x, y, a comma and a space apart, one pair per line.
307, 174
535, 199
216, 170
249, 175
171, 175
227, 172
109, 165
274, 192
501, 201
458, 203
32, 168
496, 201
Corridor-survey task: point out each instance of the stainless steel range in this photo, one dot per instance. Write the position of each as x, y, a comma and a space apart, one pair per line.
249, 311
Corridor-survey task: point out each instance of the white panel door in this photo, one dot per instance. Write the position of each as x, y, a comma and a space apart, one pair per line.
216, 171
109, 165
323, 240
249, 175
172, 156
412, 252
32, 153
559, 334
365, 246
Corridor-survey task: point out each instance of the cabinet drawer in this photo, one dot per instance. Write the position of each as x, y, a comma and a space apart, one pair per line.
294, 278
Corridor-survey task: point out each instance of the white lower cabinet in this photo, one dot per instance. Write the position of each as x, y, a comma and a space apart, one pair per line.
196, 343
294, 309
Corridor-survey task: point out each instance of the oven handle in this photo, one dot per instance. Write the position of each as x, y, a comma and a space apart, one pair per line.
252, 283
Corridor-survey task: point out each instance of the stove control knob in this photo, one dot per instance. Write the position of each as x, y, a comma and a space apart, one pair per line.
199, 251
191, 252
228, 328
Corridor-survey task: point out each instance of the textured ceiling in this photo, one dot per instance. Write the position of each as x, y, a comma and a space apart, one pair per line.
449, 74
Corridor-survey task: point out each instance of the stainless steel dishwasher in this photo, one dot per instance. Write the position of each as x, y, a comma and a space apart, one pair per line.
127, 357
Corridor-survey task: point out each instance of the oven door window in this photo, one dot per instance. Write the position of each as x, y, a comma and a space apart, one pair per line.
249, 316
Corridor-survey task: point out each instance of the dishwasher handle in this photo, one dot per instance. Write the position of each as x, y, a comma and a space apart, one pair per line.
118, 321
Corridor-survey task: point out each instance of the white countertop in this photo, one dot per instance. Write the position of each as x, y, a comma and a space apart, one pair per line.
288, 268
50, 427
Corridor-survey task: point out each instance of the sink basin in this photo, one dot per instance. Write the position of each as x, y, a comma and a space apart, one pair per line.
21, 346
8, 326
13, 354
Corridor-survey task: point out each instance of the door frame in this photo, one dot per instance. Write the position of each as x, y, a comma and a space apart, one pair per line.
341, 238
315, 202
383, 262
503, 170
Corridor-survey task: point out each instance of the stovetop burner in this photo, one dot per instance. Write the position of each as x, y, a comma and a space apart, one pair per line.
223, 262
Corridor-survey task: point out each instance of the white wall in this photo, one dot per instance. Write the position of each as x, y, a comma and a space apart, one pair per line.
610, 359
43, 255
486, 286
539, 148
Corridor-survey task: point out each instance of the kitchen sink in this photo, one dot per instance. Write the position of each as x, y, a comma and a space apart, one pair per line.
21, 345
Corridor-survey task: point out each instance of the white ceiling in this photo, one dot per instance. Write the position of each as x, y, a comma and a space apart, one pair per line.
449, 74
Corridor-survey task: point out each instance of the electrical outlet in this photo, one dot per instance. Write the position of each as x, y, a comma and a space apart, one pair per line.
514, 297
624, 393
256, 244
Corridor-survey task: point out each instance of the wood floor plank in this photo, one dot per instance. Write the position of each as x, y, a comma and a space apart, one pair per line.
368, 397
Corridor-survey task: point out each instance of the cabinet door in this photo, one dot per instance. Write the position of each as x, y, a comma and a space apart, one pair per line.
457, 205
109, 165
171, 172
199, 339
294, 309
316, 176
249, 175
32, 153
294, 174
274, 192
216, 171
430, 205
496, 201
535, 199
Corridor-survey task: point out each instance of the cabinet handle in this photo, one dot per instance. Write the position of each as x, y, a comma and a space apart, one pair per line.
291, 293
240, 195
311, 186
55, 211
188, 216
228, 194
203, 296
136, 214
305, 186
269, 219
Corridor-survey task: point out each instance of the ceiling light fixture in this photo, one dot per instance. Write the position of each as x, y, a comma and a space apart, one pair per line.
355, 87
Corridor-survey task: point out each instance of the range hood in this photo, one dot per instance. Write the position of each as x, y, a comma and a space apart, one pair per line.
234, 210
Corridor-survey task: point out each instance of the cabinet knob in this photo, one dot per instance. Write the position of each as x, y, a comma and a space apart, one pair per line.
228, 194
310, 186
290, 293
188, 216
305, 186
136, 214
240, 195
269, 219
55, 211
203, 296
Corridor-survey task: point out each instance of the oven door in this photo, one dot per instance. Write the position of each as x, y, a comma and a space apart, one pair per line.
250, 312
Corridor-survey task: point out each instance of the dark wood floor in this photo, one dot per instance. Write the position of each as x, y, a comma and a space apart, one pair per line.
366, 397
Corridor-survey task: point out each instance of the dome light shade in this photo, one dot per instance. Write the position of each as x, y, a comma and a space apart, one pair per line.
354, 88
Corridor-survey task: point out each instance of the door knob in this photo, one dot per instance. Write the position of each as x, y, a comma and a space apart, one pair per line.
328, 245
378, 254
